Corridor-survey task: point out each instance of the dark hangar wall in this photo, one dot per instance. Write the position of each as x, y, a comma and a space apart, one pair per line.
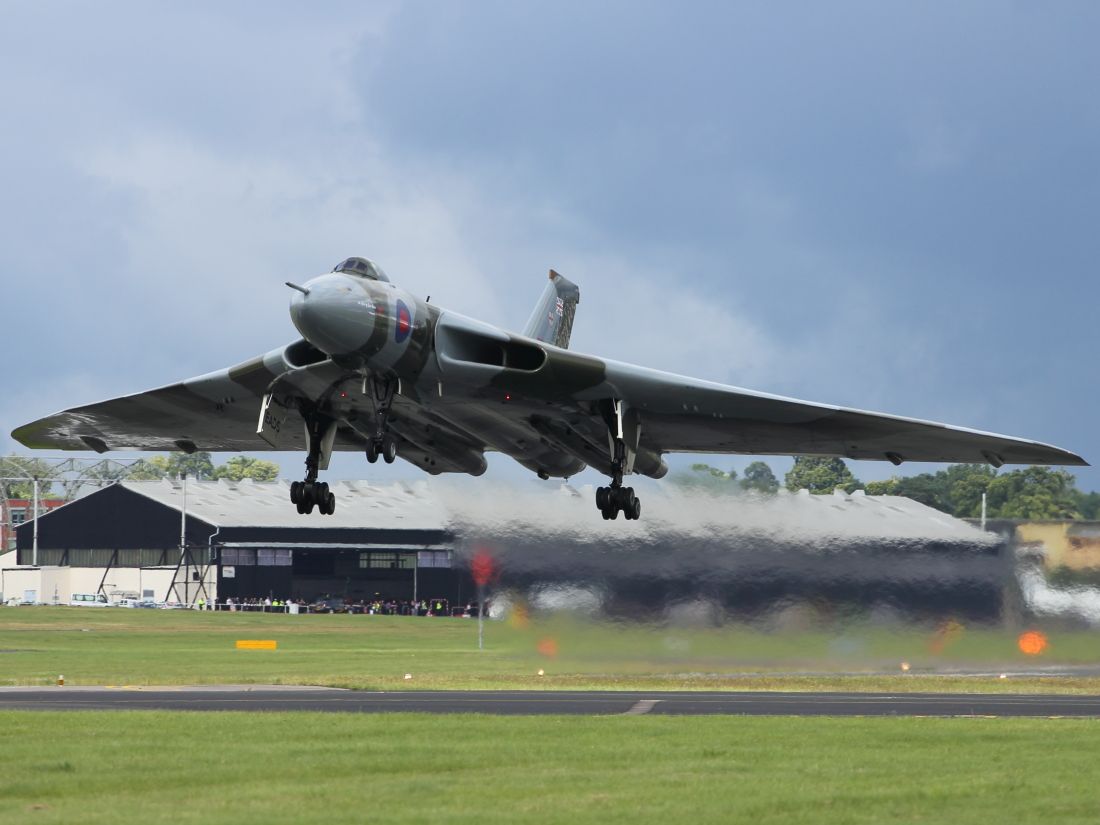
113, 518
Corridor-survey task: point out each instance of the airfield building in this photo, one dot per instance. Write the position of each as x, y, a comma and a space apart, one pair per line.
741, 555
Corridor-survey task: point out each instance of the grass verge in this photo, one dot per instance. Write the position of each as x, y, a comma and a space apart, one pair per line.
211, 768
147, 647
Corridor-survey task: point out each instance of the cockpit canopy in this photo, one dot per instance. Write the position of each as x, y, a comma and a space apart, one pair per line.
363, 268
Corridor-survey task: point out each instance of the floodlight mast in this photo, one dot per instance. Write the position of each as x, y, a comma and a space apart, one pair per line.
34, 545
183, 539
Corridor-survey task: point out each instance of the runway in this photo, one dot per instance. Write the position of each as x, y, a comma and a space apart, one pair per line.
578, 703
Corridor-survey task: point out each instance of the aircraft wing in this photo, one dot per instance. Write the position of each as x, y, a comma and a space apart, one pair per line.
217, 412
220, 412
681, 414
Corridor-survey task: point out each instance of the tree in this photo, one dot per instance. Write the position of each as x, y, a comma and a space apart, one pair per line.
148, 469
760, 478
19, 467
196, 466
1033, 493
820, 475
1088, 505
956, 490
965, 485
243, 466
706, 477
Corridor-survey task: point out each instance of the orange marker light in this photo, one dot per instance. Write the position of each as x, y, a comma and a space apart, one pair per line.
548, 647
1032, 643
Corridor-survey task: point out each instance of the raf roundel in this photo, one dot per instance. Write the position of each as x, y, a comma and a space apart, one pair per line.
403, 326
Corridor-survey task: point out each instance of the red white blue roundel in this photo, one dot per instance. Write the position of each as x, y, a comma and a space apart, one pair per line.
403, 325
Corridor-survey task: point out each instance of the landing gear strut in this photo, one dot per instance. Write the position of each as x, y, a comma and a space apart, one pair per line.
610, 501
382, 391
306, 495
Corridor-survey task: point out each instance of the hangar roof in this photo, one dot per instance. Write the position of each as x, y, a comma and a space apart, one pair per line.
669, 510
359, 504
549, 514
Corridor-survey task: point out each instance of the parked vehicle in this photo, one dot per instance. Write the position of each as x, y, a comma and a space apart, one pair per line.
88, 600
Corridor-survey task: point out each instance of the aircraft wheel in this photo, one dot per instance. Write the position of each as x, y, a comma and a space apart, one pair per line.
330, 504
602, 497
372, 451
320, 491
605, 513
389, 449
295, 492
636, 508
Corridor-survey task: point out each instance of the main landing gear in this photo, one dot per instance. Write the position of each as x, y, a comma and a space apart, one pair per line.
305, 495
611, 501
309, 494
382, 444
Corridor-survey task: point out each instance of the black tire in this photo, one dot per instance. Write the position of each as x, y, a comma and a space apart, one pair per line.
330, 507
295, 492
623, 497
605, 513
389, 450
372, 451
320, 491
601, 498
636, 508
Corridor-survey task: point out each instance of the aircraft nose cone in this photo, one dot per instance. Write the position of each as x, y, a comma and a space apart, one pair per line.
334, 314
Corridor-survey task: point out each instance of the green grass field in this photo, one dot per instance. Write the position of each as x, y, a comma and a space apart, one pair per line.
146, 647
212, 768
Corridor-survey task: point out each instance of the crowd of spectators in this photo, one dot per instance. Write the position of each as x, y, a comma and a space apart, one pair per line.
329, 604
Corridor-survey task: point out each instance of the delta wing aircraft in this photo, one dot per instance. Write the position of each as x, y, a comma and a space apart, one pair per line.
377, 370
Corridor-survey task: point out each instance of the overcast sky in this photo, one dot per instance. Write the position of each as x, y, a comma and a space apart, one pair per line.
887, 206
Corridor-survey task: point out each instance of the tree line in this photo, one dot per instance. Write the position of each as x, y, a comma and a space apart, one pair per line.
197, 465
1028, 493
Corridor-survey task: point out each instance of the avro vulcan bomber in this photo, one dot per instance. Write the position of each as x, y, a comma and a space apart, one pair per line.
380, 371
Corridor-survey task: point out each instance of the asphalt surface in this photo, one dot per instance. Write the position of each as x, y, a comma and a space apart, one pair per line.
579, 703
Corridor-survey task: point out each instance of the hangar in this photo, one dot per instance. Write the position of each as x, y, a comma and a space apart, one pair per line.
740, 555
242, 540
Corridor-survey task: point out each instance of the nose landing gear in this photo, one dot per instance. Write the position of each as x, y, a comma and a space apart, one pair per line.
305, 495
382, 391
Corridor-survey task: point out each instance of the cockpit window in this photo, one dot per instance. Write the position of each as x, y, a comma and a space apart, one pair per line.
363, 268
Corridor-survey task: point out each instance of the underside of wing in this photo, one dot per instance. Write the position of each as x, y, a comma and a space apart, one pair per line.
686, 415
168, 418
221, 412
217, 412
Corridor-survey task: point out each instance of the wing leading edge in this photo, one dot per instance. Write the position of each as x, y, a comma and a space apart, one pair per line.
683, 414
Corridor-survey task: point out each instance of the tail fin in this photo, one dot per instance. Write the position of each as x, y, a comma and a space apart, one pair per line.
552, 320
